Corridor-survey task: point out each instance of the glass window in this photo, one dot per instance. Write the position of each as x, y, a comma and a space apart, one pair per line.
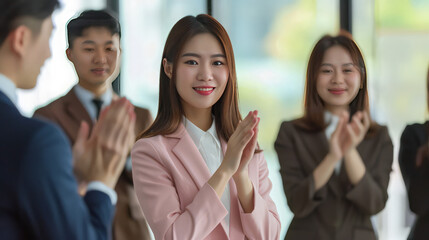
393, 35
57, 75
145, 26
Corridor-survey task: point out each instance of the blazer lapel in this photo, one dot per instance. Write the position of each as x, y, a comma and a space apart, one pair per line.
76, 113
188, 154
318, 146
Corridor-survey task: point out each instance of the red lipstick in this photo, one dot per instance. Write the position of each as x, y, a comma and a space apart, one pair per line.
204, 90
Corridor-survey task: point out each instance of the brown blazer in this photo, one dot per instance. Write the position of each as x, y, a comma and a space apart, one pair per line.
338, 210
68, 112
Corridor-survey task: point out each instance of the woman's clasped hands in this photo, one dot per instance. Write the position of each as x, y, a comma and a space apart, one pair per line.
242, 145
348, 135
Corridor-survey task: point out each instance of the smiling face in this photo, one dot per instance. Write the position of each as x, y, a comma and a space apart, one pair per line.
201, 73
95, 57
338, 80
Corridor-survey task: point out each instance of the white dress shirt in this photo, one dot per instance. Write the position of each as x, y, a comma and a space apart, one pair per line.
209, 146
9, 89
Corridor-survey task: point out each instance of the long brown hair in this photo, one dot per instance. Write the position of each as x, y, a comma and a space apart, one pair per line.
170, 110
313, 118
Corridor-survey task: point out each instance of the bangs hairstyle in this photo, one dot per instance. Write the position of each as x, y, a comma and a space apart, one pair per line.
170, 110
92, 18
314, 107
30, 13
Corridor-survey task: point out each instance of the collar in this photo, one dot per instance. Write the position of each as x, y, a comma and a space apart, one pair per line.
86, 97
196, 133
8, 88
330, 118
332, 121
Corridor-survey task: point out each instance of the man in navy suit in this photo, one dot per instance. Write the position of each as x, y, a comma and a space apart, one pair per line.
38, 192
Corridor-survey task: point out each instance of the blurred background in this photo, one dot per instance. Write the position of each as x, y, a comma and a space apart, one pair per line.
272, 40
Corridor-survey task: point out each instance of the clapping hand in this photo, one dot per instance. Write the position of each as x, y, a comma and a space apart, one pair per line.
101, 157
242, 144
348, 135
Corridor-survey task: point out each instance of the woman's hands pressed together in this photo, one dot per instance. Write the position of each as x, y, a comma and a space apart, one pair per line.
342, 144
239, 152
347, 136
242, 144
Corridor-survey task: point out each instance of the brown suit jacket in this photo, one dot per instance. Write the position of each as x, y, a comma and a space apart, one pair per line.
68, 112
338, 210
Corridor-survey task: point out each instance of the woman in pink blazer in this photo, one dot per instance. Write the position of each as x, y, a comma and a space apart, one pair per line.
198, 172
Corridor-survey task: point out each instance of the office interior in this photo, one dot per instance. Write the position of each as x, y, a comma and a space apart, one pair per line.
272, 40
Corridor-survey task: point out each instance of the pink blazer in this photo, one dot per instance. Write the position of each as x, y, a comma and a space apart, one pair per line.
170, 179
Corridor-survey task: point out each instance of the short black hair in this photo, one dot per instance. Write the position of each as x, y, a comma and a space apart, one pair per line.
11, 11
92, 18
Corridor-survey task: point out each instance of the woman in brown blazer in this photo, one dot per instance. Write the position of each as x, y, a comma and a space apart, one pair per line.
334, 161
414, 163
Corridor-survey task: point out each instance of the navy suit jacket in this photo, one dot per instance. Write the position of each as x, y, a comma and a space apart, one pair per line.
38, 192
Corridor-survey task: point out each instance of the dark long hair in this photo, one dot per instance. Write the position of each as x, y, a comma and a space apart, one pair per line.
313, 118
170, 110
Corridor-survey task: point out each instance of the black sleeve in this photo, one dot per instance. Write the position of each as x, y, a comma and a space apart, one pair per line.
416, 178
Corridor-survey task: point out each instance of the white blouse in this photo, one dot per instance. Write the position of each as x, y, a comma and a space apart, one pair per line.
332, 120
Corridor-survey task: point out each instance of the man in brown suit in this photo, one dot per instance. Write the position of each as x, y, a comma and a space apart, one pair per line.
94, 50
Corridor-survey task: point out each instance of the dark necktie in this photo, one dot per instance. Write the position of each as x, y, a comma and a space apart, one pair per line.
98, 103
